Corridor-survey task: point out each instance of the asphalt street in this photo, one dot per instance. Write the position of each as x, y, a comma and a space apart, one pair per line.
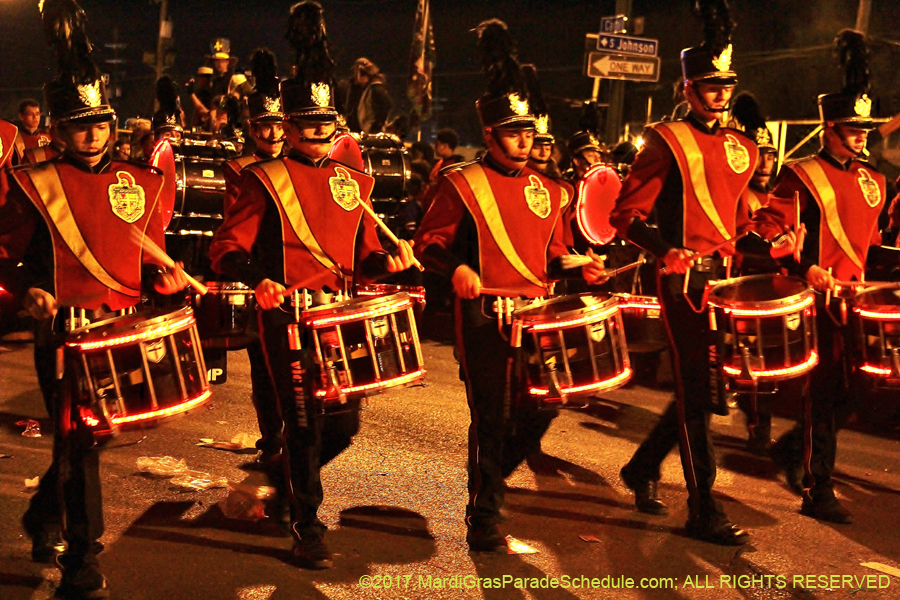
394, 505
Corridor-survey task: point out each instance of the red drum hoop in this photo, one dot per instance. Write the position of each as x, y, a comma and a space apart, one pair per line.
597, 193
876, 325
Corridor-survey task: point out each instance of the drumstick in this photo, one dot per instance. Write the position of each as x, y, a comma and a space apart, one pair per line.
628, 267
504, 293
387, 231
710, 251
797, 211
159, 254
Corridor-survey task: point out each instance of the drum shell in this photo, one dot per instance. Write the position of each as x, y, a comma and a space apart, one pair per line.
375, 290
875, 322
387, 161
142, 367
582, 336
644, 326
226, 316
365, 345
765, 324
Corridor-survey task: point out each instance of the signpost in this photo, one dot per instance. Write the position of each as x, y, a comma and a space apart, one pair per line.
608, 65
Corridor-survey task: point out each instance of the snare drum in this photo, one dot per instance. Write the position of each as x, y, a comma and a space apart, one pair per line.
224, 316
575, 345
138, 368
365, 345
767, 327
876, 316
375, 290
644, 328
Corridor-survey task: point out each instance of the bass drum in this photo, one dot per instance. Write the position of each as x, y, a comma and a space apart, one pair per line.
595, 199
385, 159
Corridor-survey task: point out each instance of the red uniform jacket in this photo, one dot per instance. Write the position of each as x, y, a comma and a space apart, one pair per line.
518, 221
319, 219
8, 133
38, 139
96, 223
757, 199
33, 156
840, 206
715, 168
233, 170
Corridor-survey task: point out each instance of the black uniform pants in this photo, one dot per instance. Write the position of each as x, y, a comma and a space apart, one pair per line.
311, 439
504, 428
264, 402
71, 485
685, 422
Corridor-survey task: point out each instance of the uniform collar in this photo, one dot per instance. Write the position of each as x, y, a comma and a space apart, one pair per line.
695, 122
833, 161
495, 166
305, 160
101, 167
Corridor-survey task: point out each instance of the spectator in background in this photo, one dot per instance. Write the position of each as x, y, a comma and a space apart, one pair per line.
202, 98
122, 150
422, 151
445, 144
368, 101
31, 132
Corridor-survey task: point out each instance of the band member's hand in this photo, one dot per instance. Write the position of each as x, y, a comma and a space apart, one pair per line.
404, 258
466, 283
820, 279
40, 304
791, 243
171, 280
593, 271
269, 294
679, 260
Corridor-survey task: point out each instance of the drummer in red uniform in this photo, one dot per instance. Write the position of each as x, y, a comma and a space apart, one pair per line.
73, 230
30, 132
298, 222
9, 154
841, 198
496, 224
694, 174
267, 132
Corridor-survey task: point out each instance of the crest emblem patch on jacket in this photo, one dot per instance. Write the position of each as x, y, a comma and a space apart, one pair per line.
127, 198
869, 188
537, 197
344, 189
737, 156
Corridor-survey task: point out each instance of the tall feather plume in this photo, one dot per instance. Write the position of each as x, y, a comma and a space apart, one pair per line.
167, 95
306, 33
853, 56
65, 29
535, 97
717, 23
745, 110
498, 54
265, 71
590, 117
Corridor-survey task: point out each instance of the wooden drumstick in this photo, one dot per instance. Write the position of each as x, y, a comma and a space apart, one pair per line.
711, 251
159, 254
387, 231
797, 211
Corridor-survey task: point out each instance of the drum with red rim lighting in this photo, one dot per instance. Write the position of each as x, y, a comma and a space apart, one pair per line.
224, 315
876, 322
375, 290
575, 346
138, 368
365, 345
644, 327
766, 325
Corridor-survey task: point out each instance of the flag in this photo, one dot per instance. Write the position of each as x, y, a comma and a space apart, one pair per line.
421, 63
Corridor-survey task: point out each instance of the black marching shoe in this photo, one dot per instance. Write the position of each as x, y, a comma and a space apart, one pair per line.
646, 497
84, 582
312, 553
486, 539
826, 509
716, 530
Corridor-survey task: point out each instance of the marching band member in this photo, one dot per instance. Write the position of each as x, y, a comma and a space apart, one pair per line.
695, 174
70, 242
168, 121
496, 223
267, 131
9, 155
841, 198
298, 220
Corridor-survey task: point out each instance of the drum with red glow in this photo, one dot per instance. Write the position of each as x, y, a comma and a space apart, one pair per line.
376, 290
138, 368
767, 327
876, 321
224, 315
575, 345
644, 327
597, 193
364, 345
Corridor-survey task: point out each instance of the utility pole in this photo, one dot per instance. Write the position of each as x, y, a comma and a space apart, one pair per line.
863, 16
165, 33
614, 113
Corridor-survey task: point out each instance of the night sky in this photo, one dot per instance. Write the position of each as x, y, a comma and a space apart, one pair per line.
779, 53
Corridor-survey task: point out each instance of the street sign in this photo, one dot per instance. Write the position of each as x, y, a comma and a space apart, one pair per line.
625, 44
614, 24
609, 65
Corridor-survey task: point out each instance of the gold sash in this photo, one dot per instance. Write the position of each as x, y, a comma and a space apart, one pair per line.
696, 170
481, 189
51, 193
283, 186
824, 195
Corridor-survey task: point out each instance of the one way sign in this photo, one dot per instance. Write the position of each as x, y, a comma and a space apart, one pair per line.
608, 65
